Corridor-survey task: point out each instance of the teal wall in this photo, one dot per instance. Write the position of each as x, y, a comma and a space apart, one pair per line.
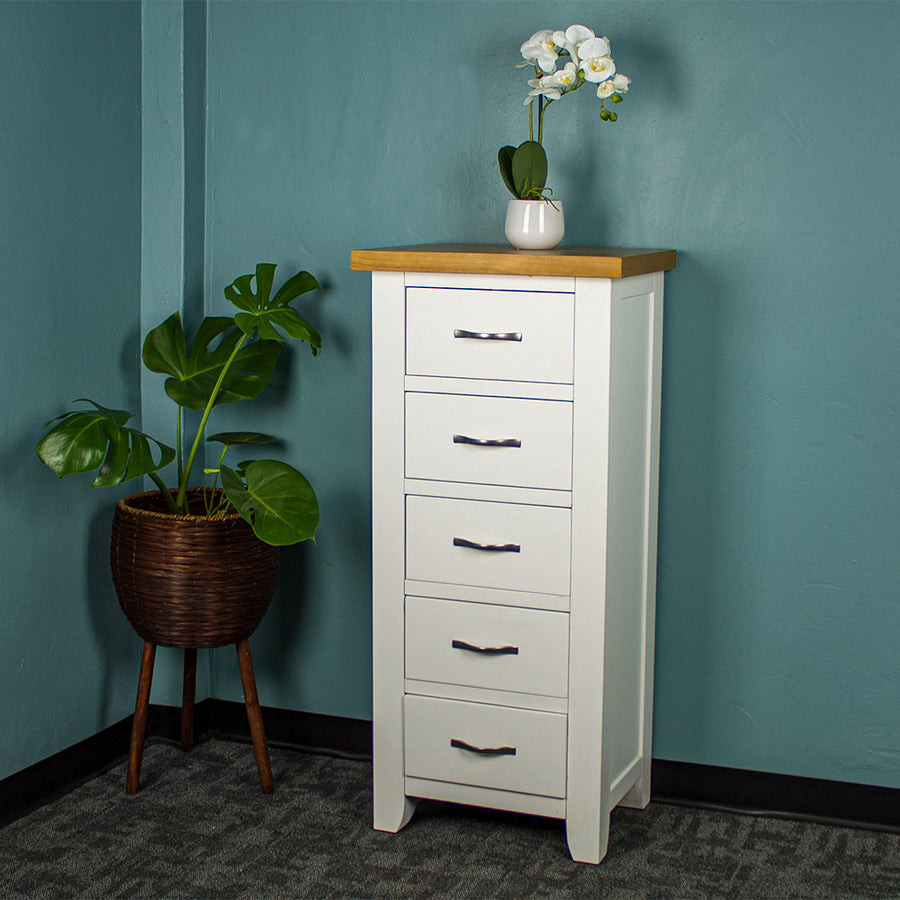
70, 263
759, 139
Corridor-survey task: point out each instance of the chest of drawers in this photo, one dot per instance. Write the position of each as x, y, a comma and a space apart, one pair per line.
515, 441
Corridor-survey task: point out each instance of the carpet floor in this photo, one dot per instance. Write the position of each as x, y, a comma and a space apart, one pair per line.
200, 828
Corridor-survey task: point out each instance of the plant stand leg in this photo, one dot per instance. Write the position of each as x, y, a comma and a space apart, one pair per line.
187, 699
139, 723
254, 717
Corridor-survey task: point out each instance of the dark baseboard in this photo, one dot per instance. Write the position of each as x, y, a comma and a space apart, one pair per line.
690, 784
58, 774
310, 732
55, 776
227, 720
164, 722
771, 794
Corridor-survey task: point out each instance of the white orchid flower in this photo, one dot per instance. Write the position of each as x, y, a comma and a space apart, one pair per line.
621, 82
541, 50
598, 68
542, 87
575, 34
563, 61
563, 78
593, 48
571, 38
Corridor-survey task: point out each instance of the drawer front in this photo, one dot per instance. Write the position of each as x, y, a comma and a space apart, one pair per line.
535, 542
442, 738
489, 440
443, 329
481, 645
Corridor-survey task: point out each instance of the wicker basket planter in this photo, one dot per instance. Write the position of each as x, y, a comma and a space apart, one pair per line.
189, 581
192, 582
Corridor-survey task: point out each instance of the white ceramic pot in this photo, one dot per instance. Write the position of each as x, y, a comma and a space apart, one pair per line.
535, 224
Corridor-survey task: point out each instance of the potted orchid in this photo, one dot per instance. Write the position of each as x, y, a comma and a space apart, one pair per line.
563, 62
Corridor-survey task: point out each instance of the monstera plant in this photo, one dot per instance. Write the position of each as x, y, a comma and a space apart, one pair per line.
230, 359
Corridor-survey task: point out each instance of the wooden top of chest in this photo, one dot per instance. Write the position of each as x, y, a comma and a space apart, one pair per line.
487, 259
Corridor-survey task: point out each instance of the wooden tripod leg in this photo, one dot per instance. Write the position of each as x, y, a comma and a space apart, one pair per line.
139, 723
254, 717
187, 699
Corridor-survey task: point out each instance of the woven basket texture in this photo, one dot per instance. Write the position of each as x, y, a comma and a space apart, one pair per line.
189, 581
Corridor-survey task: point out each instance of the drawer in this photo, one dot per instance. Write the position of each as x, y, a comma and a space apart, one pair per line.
529, 442
533, 544
443, 739
481, 645
446, 329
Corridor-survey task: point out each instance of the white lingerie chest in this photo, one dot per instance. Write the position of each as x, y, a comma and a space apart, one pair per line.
515, 444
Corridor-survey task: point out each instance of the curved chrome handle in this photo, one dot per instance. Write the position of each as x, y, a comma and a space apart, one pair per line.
485, 442
509, 649
494, 548
482, 751
488, 335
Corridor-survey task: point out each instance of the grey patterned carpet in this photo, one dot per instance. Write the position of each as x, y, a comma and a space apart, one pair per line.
200, 828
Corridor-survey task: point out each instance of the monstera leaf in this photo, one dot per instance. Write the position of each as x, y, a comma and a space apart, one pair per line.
270, 315
195, 375
229, 359
86, 440
275, 499
240, 437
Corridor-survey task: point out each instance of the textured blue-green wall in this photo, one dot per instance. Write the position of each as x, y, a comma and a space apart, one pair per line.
70, 263
760, 140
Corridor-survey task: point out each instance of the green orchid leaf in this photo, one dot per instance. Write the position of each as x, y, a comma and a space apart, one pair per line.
267, 315
240, 437
529, 170
275, 499
195, 374
504, 160
88, 440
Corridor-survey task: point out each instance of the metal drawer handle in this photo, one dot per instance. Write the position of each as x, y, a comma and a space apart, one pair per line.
482, 751
486, 442
509, 649
488, 335
494, 548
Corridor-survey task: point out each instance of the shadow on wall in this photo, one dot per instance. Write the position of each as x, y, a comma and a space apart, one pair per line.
596, 152
296, 614
689, 485
119, 647
289, 612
